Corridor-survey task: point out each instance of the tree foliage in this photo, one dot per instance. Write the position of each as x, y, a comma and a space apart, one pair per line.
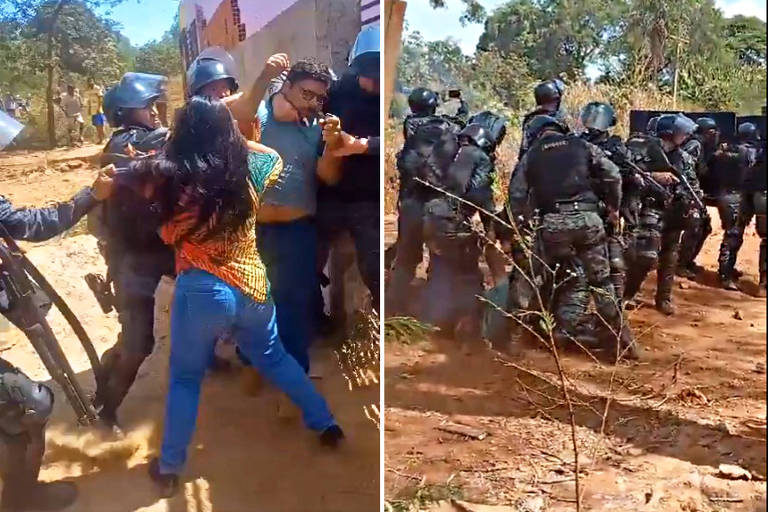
161, 57
716, 62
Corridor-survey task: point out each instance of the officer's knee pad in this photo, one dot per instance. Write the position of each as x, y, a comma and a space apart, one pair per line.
647, 259
35, 398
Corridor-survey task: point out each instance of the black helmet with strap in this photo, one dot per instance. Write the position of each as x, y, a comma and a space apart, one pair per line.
135, 91
550, 91
479, 136
598, 116
539, 124
423, 101
212, 64
748, 132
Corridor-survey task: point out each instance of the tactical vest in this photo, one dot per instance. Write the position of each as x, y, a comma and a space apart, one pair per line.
426, 155
129, 221
558, 171
726, 171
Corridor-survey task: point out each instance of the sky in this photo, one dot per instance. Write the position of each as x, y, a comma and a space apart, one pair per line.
144, 20
439, 23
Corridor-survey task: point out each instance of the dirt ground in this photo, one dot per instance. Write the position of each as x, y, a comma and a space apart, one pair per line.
243, 457
695, 401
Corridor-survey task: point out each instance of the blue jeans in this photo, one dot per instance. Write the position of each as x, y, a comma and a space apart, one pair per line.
204, 307
289, 251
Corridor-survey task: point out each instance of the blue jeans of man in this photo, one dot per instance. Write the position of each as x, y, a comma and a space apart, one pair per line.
204, 307
289, 251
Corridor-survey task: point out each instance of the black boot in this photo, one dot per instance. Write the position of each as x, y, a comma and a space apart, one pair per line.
728, 283
167, 484
665, 306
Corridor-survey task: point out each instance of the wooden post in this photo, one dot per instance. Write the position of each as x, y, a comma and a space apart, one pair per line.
394, 15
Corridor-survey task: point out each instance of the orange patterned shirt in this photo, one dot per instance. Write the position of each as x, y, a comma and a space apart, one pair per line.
232, 257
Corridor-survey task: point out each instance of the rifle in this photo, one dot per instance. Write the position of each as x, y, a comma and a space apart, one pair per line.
657, 188
19, 278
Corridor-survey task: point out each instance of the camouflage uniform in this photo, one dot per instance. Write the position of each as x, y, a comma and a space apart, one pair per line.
752, 202
659, 230
693, 238
558, 172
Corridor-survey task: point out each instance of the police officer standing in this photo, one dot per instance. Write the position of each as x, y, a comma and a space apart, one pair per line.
549, 98
748, 185
661, 224
352, 204
136, 257
701, 146
25, 405
564, 178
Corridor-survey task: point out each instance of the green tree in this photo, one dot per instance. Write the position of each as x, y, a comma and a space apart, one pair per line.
162, 56
61, 35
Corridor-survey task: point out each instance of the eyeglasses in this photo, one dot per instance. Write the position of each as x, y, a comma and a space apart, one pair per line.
309, 95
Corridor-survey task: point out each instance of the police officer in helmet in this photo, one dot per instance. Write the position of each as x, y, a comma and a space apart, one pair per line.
749, 187
423, 104
352, 204
454, 279
136, 257
26, 405
565, 177
701, 146
665, 223
212, 74
549, 97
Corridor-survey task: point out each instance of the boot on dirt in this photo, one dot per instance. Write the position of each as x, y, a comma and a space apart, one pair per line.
665, 306
332, 436
728, 283
39, 496
761, 288
167, 484
686, 272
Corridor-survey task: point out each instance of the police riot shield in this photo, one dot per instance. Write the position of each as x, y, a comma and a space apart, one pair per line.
726, 121
9, 129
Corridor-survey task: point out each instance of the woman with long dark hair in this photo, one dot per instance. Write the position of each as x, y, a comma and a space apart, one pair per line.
208, 184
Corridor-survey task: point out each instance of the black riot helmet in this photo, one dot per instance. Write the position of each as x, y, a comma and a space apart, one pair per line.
670, 125
133, 91
423, 101
550, 91
650, 128
364, 55
705, 123
495, 125
477, 135
748, 132
538, 124
598, 116
212, 64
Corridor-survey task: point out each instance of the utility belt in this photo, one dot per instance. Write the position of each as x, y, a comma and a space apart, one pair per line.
571, 207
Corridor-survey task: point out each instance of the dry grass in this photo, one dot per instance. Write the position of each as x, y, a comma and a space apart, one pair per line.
577, 95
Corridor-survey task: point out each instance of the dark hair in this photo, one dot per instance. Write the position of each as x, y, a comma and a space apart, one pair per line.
309, 69
205, 166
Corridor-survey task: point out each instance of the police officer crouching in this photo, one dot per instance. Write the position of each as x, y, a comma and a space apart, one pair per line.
565, 177
136, 257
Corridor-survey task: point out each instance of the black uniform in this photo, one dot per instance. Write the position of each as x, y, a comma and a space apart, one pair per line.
353, 203
566, 177
413, 195
752, 202
25, 405
455, 278
136, 259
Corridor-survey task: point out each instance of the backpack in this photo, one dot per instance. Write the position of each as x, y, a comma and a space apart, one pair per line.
428, 152
496, 125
